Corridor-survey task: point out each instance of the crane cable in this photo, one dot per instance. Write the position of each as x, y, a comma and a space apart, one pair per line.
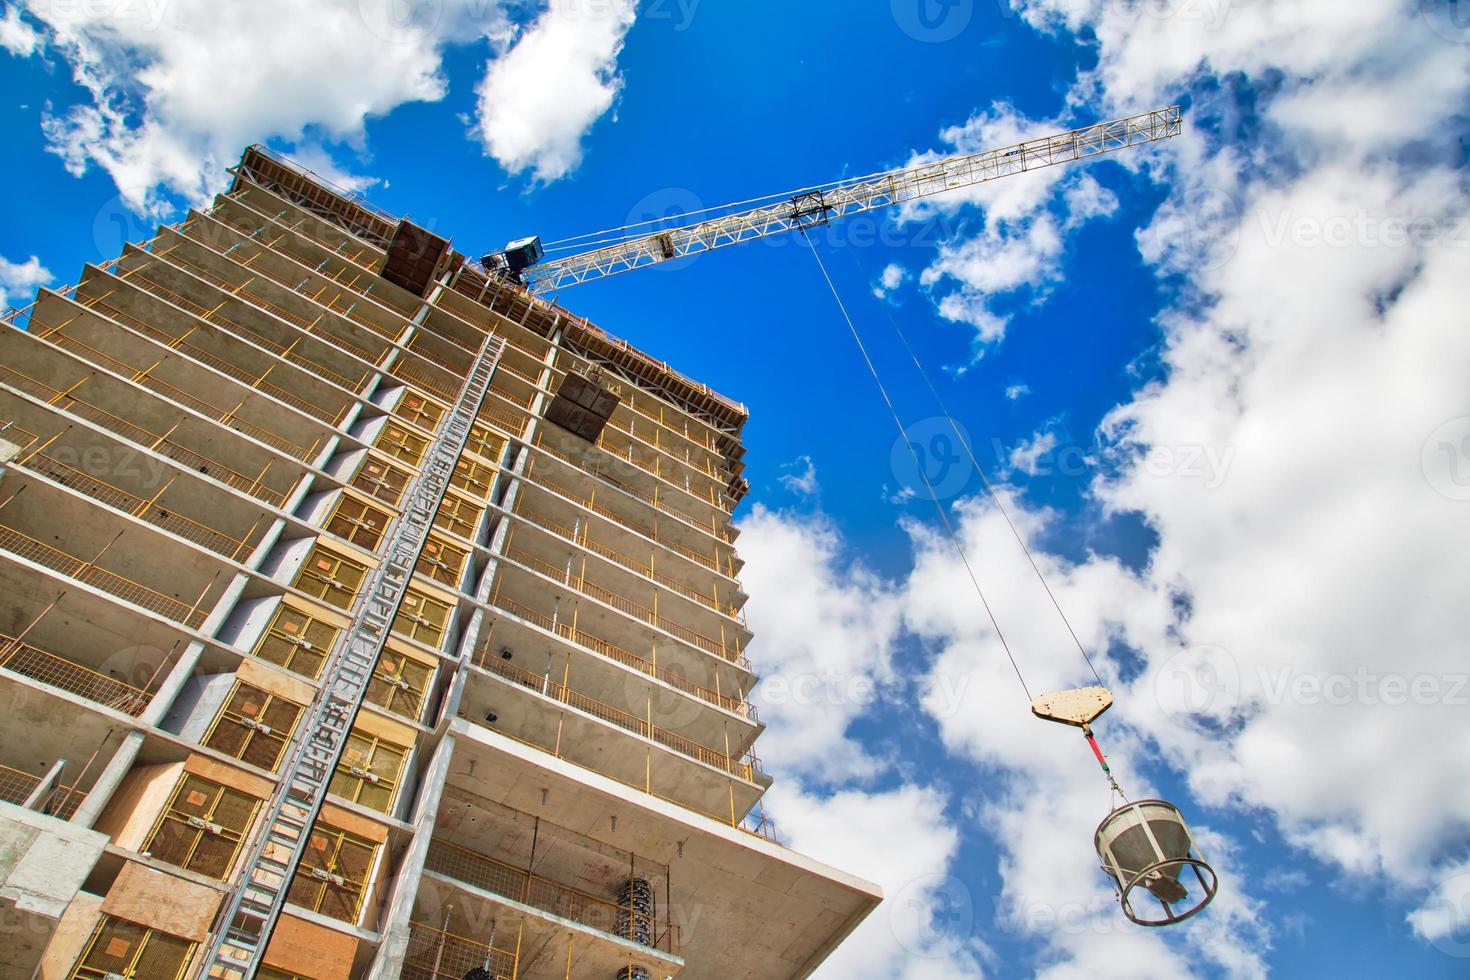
938, 505
989, 488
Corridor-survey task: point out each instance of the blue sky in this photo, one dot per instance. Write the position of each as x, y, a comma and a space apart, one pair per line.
1221, 380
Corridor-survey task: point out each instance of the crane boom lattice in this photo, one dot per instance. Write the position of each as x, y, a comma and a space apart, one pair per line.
818, 206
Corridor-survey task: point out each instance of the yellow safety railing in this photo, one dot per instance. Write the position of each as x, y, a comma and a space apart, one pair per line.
24, 546
498, 878
15, 785
154, 513
710, 527
632, 564
556, 691
437, 955
48, 668
611, 651
71, 401
624, 605
213, 360
532, 475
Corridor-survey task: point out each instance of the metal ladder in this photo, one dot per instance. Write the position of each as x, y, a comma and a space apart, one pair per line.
250, 915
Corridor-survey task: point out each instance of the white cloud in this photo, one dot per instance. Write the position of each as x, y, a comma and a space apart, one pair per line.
824, 630
925, 928
539, 99
893, 276
800, 477
16, 36
1027, 454
1017, 391
177, 88
1043, 792
1317, 349
1019, 249
817, 614
20, 280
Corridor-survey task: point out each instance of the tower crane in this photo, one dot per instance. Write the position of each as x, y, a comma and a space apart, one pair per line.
524, 261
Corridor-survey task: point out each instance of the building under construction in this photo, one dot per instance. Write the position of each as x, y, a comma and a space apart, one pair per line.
365, 616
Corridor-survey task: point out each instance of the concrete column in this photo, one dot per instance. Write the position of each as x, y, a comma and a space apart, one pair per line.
388, 964
107, 783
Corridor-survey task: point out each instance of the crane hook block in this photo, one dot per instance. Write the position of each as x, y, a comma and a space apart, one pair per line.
1079, 707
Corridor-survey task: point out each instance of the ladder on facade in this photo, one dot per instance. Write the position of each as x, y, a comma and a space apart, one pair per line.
254, 905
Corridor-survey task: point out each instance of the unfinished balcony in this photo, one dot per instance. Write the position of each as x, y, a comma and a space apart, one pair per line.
105, 553
634, 749
534, 614
551, 486
595, 475
144, 423
151, 489
565, 589
571, 901
65, 324
666, 588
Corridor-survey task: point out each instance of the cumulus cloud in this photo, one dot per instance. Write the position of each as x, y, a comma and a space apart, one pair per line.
175, 89
825, 629
16, 36
1027, 454
1016, 392
893, 276
1303, 451
800, 477
20, 280
1017, 256
560, 77
832, 618
905, 938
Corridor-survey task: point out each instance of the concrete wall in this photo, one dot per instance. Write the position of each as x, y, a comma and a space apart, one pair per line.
198, 703
43, 864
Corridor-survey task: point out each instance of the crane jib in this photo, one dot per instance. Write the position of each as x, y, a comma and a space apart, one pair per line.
818, 206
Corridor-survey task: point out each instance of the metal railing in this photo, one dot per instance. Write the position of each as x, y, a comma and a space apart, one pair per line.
70, 401
24, 546
611, 651
18, 787
530, 475
244, 376
710, 527
437, 955
624, 605
631, 564
498, 878
556, 691
236, 549
145, 378
58, 672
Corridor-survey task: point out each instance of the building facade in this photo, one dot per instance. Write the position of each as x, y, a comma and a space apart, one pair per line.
212, 445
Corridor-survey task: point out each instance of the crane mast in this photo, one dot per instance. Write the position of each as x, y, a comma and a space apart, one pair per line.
522, 260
